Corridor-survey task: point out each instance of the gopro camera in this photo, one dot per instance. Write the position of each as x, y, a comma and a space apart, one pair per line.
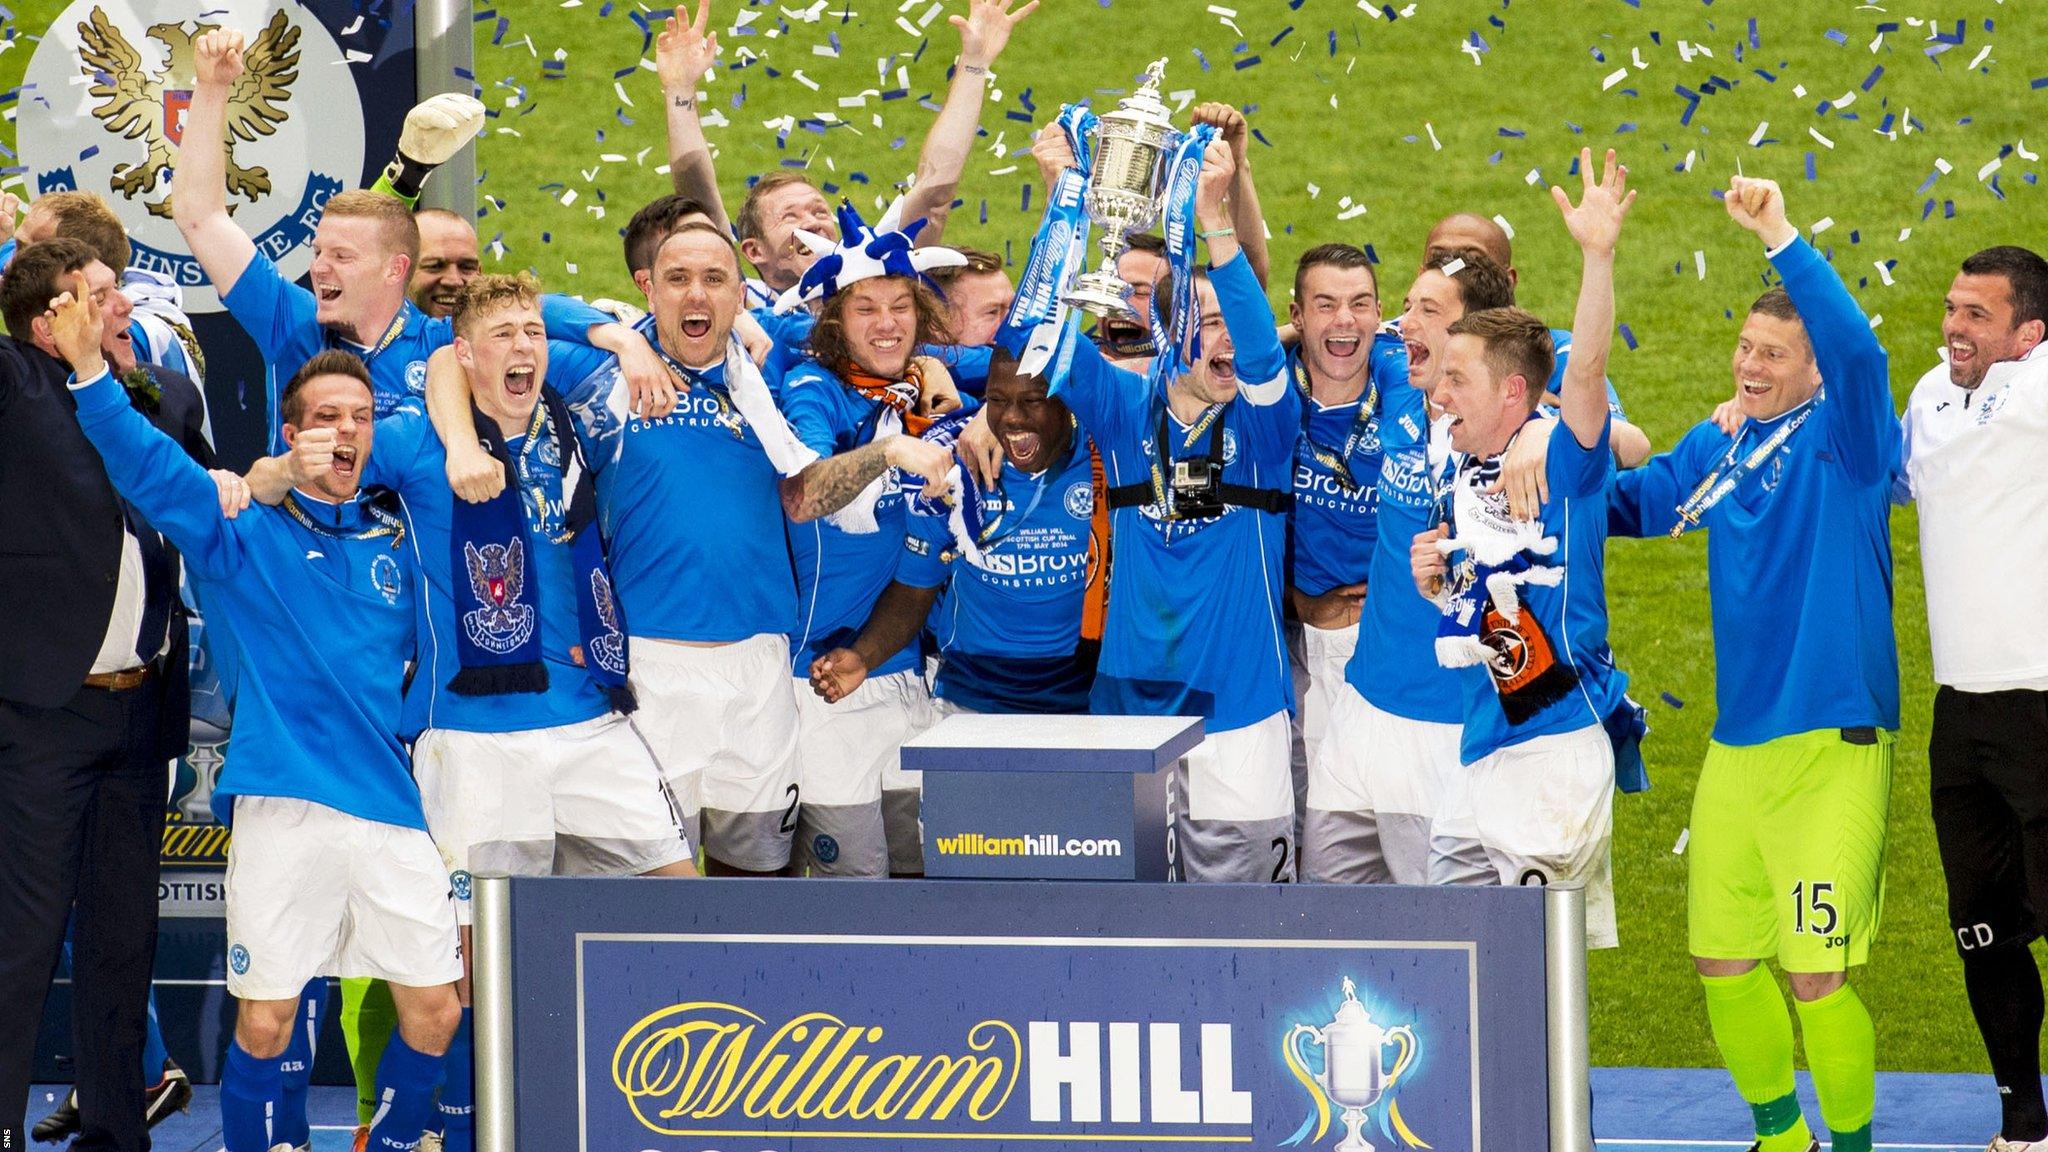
1195, 483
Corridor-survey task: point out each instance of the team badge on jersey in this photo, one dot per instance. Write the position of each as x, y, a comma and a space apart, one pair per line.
825, 848
238, 959
1080, 501
497, 577
459, 881
416, 377
384, 578
1229, 446
114, 82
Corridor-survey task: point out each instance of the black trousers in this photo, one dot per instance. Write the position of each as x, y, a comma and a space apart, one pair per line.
1988, 763
81, 820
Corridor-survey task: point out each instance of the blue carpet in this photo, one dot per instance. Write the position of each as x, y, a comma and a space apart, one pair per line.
1634, 1110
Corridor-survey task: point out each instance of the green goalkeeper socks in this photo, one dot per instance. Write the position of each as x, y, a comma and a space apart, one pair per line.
367, 1020
1753, 1029
1841, 1049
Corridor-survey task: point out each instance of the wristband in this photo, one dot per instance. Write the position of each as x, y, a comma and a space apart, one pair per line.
974, 69
1218, 232
405, 175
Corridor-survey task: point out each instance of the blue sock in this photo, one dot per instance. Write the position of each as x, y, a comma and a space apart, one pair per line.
296, 1065
457, 1093
153, 1055
250, 1090
405, 1096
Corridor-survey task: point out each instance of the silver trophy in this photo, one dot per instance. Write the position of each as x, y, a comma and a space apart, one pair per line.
1354, 1075
1123, 190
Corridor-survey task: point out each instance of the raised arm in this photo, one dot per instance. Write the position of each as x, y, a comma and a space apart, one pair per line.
200, 203
983, 33
685, 50
1246, 217
1595, 224
1854, 367
151, 470
1254, 337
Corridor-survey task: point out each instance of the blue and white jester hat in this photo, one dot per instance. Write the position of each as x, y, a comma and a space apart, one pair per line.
863, 253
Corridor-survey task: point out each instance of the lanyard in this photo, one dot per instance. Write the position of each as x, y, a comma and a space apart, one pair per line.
728, 418
538, 430
1206, 422
1338, 463
1730, 472
369, 354
386, 524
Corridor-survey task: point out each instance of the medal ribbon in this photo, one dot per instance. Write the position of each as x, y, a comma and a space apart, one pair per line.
1339, 463
1730, 473
386, 524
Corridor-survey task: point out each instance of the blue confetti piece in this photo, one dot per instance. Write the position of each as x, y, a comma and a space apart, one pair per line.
1495, 158
1261, 138
1674, 701
1948, 209
1692, 103
1026, 206
1200, 58
1333, 42
1247, 62
1628, 337
1810, 174
1512, 133
1870, 81
2039, 84
984, 210
1284, 34
1753, 41
1837, 35
1371, 256
88, 154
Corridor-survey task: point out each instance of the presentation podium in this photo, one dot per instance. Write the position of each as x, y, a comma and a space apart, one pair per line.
1050, 797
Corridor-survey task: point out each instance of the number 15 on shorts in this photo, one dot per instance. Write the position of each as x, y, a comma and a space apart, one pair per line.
1813, 909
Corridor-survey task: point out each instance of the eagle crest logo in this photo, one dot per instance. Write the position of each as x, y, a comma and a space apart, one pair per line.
497, 578
136, 103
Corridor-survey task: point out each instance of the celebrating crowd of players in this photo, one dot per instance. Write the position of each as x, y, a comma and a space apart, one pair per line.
537, 586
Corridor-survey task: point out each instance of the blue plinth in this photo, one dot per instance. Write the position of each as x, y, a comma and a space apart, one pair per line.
1050, 797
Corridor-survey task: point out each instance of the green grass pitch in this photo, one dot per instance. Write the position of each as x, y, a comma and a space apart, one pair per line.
1372, 124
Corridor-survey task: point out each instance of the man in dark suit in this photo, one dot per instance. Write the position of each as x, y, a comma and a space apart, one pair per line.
93, 704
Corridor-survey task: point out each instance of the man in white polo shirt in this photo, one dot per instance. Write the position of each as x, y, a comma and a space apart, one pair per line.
1975, 428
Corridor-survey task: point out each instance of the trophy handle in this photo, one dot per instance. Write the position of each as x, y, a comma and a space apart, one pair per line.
1406, 1036
1294, 1036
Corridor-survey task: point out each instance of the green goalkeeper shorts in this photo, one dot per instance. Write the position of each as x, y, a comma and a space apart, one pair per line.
1786, 855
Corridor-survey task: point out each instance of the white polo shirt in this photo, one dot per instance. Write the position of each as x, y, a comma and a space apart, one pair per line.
1976, 461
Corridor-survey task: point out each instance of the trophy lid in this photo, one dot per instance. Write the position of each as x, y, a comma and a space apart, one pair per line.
1144, 105
1351, 1011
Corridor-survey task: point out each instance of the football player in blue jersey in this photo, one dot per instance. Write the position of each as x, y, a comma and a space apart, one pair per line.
1523, 604
332, 872
688, 499
859, 403
1336, 317
1786, 857
1200, 474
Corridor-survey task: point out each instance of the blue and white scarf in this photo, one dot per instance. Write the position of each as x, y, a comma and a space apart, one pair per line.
1177, 223
497, 606
1041, 328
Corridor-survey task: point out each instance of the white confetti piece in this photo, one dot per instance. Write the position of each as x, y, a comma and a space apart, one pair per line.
1453, 268
824, 50
353, 26
907, 26
1985, 172
1635, 56
1435, 144
930, 14
1613, 78
1844, 100
1005, 171
797, 75
1824, 141
1943, 166
1823, 224
1684, 834
619, 87
1757, 136
1691, 154
1876, 320
1505, 226
1220, 10
1903, 233
1884, 273
1799, 91
568, 197
358, 56
1352, 213
1699, 263
1314, 191
1979, 57
1534, 177
2021, 148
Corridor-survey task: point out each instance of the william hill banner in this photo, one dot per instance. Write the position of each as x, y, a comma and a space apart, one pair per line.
732, 1016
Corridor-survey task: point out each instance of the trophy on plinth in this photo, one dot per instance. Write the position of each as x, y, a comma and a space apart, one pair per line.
1355, 1075
1123, 190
